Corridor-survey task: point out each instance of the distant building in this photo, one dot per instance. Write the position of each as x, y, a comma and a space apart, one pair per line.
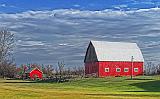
34, 73
113, 59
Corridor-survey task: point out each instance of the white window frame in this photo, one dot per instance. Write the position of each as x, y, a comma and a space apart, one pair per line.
117, 69
135, 69
127, 69
106, 69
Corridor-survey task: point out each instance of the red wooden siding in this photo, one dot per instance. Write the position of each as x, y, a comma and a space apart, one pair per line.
36, 73
113, 65
91, 68
99, 68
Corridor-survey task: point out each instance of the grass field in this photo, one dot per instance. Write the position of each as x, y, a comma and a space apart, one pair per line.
142, 87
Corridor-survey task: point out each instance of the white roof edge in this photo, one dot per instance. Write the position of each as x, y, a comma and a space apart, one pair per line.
113, 42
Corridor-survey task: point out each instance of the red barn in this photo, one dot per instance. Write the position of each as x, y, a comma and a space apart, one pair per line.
113, 59
34, 73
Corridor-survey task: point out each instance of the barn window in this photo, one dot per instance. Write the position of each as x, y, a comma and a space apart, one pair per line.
135, 69
126, 69
106, 69
118, 70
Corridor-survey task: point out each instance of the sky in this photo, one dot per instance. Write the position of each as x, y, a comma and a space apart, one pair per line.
48, 31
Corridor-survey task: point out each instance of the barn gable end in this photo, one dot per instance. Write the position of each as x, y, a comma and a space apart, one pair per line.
90, 54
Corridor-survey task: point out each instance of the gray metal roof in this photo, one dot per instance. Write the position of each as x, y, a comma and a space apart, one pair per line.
117, 51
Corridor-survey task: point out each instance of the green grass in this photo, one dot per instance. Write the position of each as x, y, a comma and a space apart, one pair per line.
142, 87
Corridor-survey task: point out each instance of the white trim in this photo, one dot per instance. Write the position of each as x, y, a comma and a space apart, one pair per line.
117, 69
135, 69
127, 69
35, 69
106, 69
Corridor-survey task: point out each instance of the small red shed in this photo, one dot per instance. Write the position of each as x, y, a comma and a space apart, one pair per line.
34, 73
113, 59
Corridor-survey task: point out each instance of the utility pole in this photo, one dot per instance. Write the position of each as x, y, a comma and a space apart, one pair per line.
132, 67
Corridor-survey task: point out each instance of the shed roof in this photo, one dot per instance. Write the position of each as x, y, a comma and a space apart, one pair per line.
31, 69
117, 51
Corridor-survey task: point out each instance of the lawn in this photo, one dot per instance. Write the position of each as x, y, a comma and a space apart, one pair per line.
142, 87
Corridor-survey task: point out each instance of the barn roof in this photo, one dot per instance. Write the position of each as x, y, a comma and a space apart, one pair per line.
31, 69
117, 51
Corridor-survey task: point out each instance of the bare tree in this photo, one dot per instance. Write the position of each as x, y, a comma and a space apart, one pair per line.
6, 49
7, 69
6, 45
61, 67
80, 71
150, 68
49, 70
158, 69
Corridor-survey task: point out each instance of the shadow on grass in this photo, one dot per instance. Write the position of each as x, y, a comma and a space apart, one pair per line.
150, 86
125, 95
38, 81
138, 79
19, 82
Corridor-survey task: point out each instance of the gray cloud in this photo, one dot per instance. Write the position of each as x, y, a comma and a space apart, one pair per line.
51, 36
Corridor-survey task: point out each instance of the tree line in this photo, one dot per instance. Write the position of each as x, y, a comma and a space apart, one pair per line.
51, 72
151, 68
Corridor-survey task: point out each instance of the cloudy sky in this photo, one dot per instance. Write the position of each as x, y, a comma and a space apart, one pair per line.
48, 31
